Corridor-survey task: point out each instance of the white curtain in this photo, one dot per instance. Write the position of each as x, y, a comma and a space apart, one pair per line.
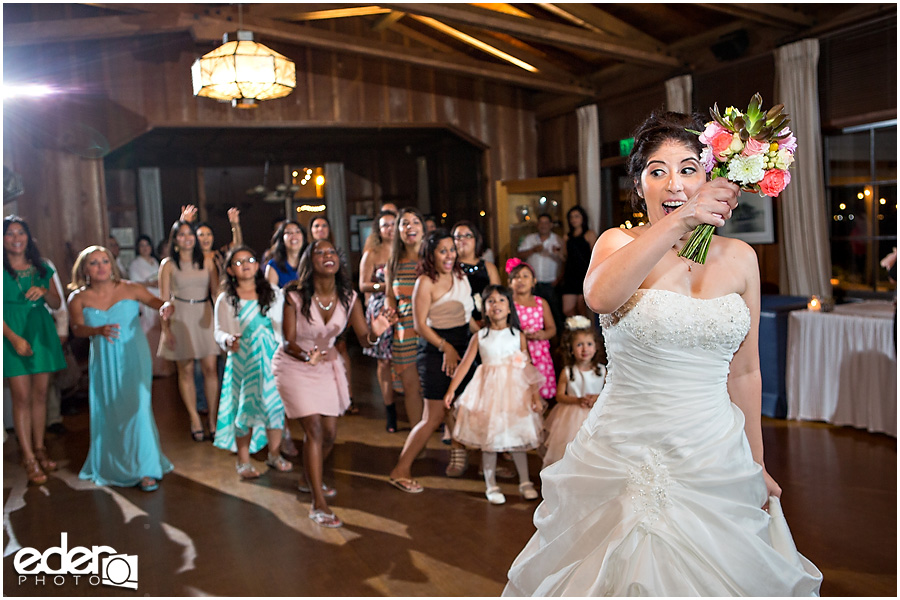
336, 201
150, 204
679, 94
589, 164
805, 257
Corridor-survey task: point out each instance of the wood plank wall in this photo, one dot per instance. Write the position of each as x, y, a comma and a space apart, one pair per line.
144, 82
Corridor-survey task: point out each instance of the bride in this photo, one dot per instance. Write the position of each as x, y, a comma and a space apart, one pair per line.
664, 491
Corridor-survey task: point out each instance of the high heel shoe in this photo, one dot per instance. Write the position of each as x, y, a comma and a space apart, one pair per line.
47, 465
197, 435
33, 472
391, 423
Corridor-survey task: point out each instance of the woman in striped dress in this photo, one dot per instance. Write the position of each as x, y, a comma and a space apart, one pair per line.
249, 314
400, 279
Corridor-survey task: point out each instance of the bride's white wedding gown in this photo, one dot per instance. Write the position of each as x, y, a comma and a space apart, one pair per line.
658, 494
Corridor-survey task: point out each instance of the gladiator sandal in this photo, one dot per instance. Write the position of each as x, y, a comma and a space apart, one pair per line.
47, 465
459, 462
33, 472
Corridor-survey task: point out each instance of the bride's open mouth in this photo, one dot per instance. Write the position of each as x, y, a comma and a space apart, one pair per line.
671, 205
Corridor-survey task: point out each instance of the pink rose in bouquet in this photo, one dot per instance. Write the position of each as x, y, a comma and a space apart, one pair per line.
721, 145
774, 182
754, 147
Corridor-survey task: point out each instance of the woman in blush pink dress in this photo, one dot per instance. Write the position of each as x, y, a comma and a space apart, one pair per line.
310, 374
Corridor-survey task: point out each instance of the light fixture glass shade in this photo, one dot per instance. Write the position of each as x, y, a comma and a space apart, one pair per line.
243, 70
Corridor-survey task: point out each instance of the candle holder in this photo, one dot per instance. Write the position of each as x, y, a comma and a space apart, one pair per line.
814, 303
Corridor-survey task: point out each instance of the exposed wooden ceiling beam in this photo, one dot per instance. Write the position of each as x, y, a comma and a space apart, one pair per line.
211, 29
502, 7
595, 19
334, 13
541, 31
476, 42
385, 21
857, 13
94, 28
773, 15
521, 51
425, 40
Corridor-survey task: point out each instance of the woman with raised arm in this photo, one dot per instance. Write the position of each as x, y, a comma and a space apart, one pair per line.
190, 280
664, 490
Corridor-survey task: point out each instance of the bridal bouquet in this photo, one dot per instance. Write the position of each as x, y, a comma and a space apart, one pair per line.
753, 149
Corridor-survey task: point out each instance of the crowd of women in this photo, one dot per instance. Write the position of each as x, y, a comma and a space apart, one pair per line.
249, 335
656, 486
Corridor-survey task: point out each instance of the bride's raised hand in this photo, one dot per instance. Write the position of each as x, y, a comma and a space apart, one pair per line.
712, 204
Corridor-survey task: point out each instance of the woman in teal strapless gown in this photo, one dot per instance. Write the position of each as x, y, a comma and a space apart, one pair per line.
125, 448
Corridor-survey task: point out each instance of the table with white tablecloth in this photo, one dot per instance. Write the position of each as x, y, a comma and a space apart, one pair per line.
842, 366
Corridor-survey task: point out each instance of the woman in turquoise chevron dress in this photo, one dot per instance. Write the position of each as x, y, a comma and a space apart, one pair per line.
125, 449
248, 325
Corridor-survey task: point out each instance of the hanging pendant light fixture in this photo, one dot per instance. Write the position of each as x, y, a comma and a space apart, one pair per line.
243, 71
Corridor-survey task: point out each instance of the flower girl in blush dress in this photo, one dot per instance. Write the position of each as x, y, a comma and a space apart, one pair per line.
500, 409
580, 383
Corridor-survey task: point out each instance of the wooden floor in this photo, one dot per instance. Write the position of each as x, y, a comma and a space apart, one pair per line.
206, 533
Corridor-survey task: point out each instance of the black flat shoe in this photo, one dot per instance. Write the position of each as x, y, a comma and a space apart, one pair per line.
197, 435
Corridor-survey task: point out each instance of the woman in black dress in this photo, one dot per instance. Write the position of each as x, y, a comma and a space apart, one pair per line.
579, 244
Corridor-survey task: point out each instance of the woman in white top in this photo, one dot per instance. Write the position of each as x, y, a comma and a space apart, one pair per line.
144, 270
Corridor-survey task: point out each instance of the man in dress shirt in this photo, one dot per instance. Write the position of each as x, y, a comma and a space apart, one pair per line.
544, 252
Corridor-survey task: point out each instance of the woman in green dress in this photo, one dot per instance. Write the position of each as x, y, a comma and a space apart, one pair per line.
31, 347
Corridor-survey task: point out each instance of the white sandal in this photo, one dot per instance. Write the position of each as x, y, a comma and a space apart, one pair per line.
246, 470
277, 462
527, 490
325, 519
328, 492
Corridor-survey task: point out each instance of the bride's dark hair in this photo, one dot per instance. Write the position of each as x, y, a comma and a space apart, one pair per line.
658, 128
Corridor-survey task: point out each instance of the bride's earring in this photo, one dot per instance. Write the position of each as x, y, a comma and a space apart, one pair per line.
88, 279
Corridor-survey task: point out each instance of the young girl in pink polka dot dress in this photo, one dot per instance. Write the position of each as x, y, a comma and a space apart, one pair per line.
536, 321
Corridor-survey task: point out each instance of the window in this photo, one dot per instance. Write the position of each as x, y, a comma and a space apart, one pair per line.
861, 171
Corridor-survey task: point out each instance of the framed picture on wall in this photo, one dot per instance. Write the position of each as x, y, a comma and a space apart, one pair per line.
753, 221
365, 229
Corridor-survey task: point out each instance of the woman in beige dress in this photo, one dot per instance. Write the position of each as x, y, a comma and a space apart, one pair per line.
189, 281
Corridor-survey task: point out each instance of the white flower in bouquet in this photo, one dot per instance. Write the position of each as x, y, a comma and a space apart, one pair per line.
747, 170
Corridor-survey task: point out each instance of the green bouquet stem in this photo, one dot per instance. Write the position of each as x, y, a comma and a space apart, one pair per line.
697, 246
